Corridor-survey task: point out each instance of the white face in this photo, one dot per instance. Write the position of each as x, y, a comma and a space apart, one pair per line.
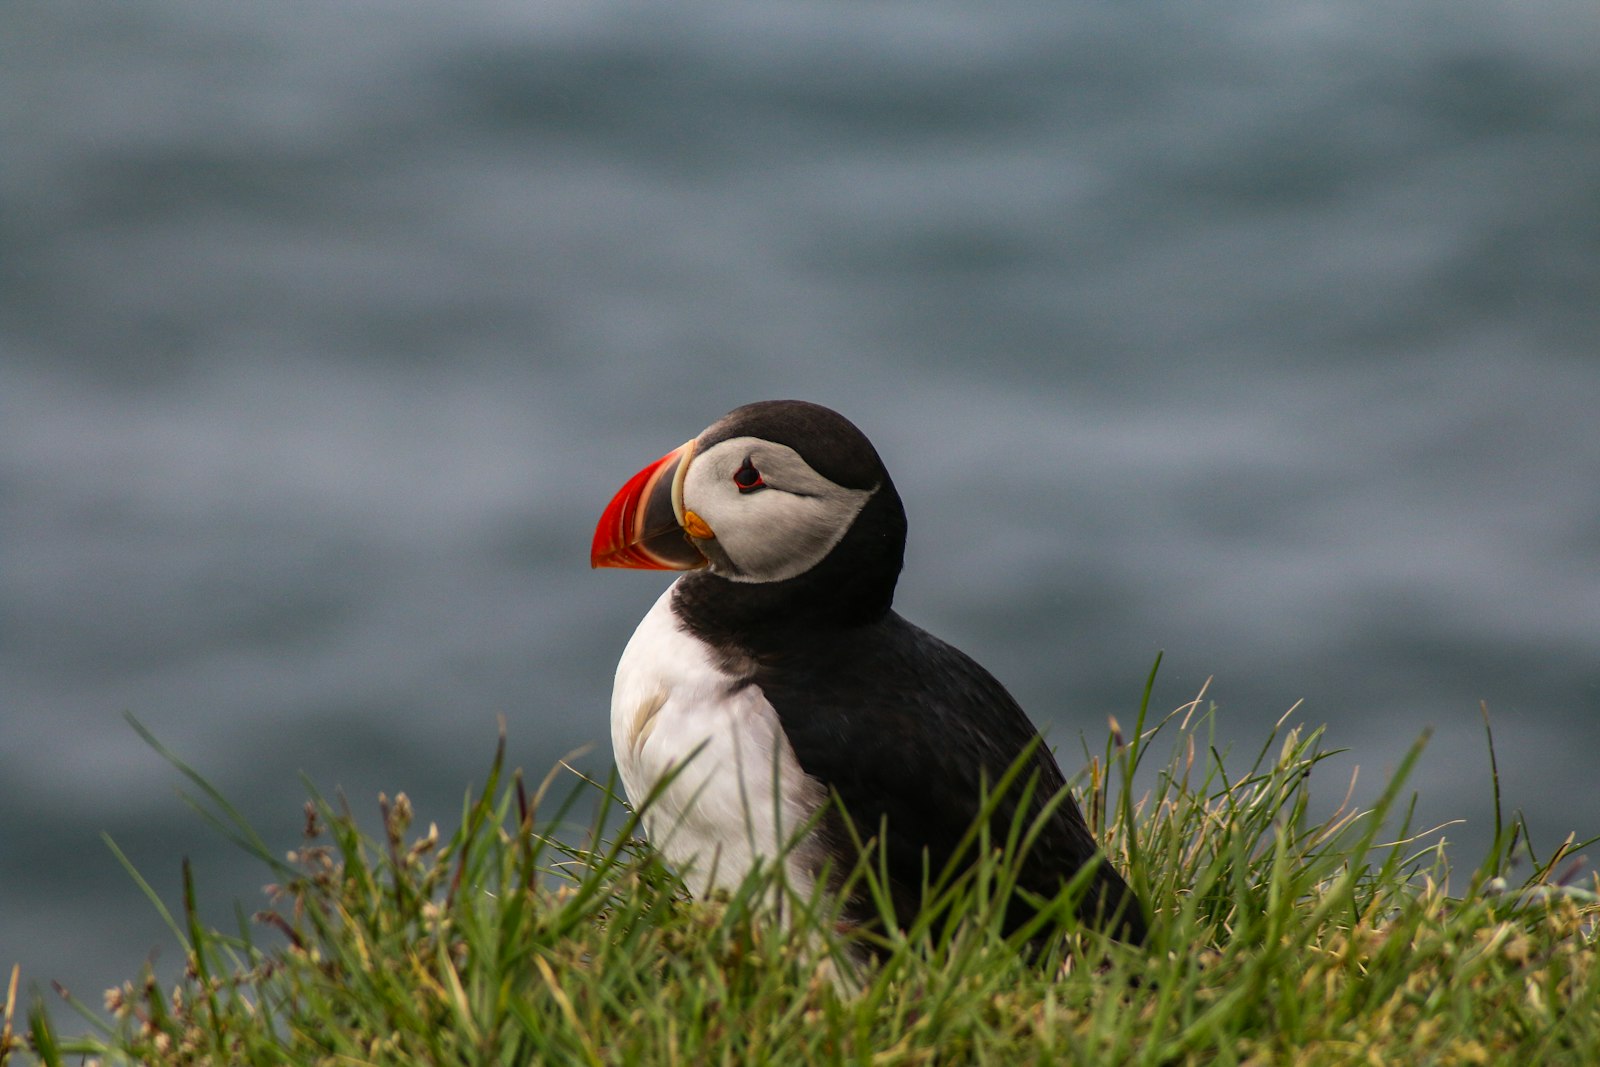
771, 516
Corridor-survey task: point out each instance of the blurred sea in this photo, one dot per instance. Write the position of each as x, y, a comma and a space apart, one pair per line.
1261, 333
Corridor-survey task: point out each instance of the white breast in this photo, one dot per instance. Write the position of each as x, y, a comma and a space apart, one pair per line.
742, 795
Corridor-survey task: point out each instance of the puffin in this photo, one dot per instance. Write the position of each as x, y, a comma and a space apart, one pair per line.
773, 706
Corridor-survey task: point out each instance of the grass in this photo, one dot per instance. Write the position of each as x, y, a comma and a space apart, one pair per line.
1278, 938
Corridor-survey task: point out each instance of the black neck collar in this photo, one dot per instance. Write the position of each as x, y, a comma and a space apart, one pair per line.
852, 586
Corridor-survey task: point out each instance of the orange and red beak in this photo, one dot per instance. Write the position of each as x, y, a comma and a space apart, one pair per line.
643, 526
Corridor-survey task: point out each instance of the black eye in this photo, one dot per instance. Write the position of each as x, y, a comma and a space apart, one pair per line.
748, 479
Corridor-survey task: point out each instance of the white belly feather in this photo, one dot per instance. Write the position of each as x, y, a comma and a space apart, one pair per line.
741, 796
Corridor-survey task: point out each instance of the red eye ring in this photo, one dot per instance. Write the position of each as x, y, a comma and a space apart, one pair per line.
747, 479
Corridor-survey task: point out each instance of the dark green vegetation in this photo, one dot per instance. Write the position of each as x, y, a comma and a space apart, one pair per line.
1277, 938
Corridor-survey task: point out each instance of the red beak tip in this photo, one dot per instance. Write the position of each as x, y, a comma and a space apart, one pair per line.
638, 530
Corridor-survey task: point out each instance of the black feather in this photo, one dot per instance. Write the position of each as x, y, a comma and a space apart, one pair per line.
910, 733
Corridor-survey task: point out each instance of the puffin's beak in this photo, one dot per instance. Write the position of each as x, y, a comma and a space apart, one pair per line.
643, 525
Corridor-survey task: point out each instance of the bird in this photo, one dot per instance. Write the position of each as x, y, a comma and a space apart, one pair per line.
772, 692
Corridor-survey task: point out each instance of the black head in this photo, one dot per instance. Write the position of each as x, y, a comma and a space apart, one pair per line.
786, 503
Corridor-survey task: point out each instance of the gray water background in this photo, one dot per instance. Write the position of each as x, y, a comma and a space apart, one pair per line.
1261, 333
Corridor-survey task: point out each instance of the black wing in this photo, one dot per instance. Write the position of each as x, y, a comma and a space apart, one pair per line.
909, 730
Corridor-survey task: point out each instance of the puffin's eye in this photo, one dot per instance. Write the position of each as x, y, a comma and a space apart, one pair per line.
748, 479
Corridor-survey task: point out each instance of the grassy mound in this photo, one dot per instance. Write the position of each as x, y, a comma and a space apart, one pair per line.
1277, 938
